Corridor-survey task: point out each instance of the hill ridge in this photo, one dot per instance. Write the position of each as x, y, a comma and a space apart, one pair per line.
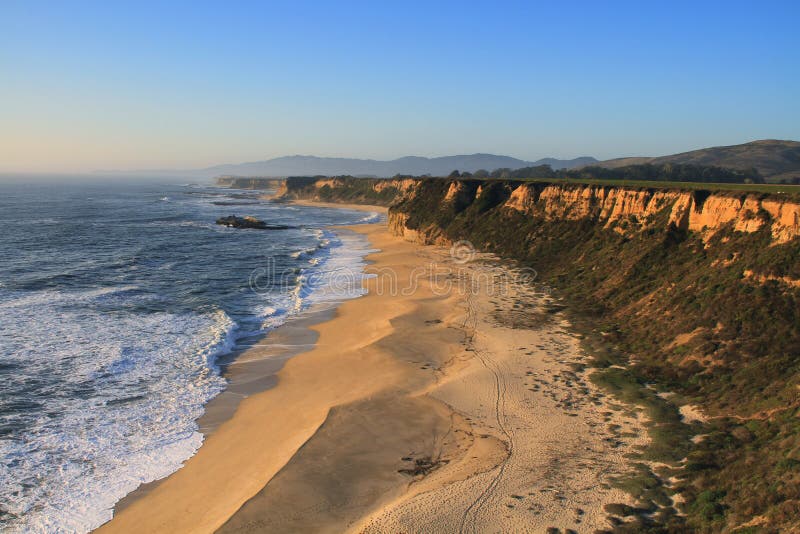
775, 159
410, 165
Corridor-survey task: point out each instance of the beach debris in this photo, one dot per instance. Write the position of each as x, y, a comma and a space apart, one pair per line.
421, 466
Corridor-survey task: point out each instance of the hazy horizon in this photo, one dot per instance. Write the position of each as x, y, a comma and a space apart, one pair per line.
176, 173
189, 86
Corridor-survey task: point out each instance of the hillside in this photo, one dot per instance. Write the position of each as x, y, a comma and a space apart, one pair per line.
775, 160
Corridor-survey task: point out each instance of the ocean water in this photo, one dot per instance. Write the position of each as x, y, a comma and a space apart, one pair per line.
116, 303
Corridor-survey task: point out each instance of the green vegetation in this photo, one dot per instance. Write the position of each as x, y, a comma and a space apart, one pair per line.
670, 437
349, 189
667, 172
645, 172
772, 189
647, 175
664, 176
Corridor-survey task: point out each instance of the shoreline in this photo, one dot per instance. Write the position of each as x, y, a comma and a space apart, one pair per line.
338, 205
248, 372
240, 457
246, 378
408, 401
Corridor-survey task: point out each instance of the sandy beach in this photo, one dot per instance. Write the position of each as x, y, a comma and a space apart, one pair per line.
428, 405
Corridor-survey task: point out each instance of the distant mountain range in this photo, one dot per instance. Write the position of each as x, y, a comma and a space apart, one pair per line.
775, 160
414, 165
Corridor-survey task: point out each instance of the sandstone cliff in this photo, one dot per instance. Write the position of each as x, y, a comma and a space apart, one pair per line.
628, 210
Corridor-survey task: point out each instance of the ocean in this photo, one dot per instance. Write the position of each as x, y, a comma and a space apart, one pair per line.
116, 304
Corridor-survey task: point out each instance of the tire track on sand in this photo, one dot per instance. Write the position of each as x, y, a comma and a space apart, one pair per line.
470, 325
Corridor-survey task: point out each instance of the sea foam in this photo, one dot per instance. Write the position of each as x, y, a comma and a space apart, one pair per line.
113, 323
122, 394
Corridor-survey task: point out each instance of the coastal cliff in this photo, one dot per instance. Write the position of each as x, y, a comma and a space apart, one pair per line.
625, 210
690, 301
687, 294
244, 182
697, 297
345, 189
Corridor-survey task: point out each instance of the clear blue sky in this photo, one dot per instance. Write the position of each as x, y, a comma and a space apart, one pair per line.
87, 85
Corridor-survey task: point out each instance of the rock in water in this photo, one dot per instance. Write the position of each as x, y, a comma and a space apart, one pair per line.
233, 221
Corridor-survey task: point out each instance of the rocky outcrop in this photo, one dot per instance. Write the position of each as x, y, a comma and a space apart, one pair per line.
378, 191
403, 185
627, 210
232, 221
461, 194
785, 219
428, 235
398, 224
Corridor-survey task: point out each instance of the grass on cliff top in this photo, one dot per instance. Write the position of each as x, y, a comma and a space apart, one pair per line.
792, 191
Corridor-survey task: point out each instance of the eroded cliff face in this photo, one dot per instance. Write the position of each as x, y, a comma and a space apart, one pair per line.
347, 189
640, 209
630, 210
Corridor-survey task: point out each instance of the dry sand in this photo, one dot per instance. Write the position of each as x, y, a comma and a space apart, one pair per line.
430, 410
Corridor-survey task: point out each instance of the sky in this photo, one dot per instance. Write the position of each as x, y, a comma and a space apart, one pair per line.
142, 85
